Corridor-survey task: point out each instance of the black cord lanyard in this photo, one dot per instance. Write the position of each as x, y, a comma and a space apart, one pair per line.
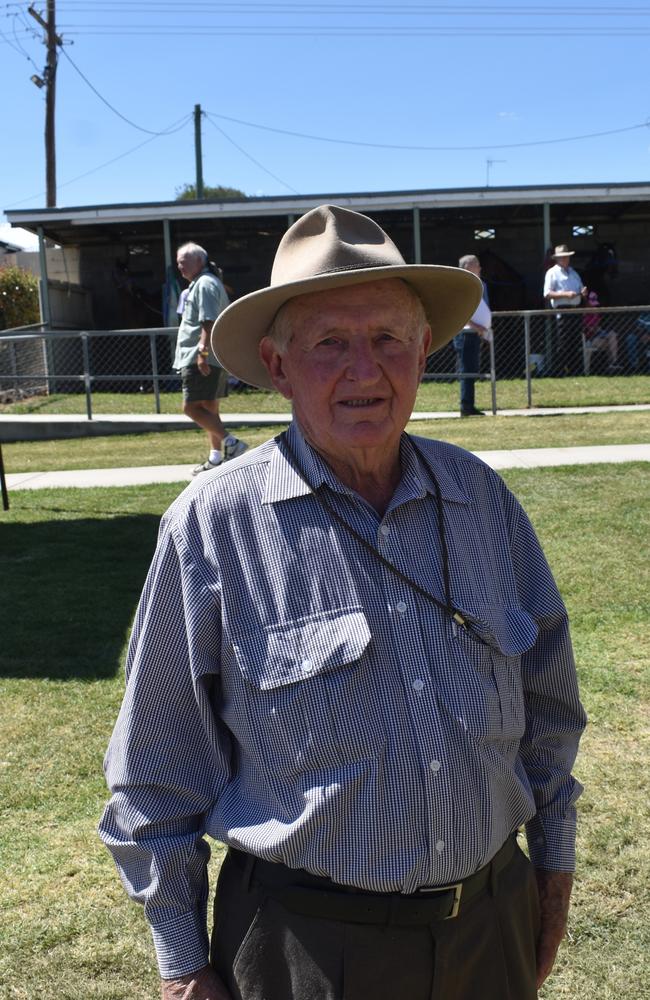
447, 606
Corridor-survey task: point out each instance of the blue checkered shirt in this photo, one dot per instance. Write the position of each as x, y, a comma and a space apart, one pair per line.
289, 695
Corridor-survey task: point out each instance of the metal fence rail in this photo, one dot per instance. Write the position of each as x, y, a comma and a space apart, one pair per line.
526, 346
87, 361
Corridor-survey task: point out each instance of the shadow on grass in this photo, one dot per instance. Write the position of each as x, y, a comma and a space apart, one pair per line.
70, 589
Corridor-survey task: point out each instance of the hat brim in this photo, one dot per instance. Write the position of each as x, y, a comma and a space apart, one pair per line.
569, 253
450, 296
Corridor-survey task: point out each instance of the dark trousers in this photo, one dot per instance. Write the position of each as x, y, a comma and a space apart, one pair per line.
264, 951
467, 345
567, 350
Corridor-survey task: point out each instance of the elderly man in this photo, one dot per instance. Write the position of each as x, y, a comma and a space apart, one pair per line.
351, 665
203, 380
563, 291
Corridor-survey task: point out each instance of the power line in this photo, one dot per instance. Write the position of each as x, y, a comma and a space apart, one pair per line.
356, 31
433, 9
169, 131
15, 45
251, 158
109, 105
434, 149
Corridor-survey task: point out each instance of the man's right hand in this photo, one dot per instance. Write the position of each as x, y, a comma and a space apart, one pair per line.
203, 366
202, 985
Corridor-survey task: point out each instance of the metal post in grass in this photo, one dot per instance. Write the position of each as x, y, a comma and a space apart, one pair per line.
3, 482
493, 376
14, 367
86, 375
529, 386
154, 370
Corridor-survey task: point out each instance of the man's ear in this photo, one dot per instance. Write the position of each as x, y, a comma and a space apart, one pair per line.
273, 362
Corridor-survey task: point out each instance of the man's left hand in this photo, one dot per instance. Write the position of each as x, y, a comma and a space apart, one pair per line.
554, 890
202, 985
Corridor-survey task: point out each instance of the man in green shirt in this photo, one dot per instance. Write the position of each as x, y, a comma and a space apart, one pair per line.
203, 379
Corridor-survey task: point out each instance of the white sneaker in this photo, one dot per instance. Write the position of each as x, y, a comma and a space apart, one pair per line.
234, 450
206, 466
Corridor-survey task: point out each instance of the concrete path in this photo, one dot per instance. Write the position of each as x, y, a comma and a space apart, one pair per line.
523, 458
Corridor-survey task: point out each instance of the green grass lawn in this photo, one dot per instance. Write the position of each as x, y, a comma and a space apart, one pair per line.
187, 447
73, 562
594, 390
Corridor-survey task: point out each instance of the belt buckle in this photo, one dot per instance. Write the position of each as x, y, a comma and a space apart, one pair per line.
457, 888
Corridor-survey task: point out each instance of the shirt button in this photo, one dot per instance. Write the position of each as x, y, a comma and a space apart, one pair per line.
435, 765
440, 846
418, 685
384, 530
401, 607
307, 666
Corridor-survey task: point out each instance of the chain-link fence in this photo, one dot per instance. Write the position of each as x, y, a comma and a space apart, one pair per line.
528, 350
573, 342
534, 346
88, 362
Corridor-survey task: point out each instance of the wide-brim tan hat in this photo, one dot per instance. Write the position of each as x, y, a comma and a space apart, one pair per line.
332, 247
563, 251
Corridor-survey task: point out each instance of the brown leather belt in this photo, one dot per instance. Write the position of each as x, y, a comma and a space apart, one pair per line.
314, 896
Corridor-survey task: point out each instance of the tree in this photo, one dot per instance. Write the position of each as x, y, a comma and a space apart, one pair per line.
18, 298
188, 193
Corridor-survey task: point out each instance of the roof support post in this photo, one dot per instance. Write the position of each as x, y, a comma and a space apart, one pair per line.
547, 228
46, 315
417, 240
167, 240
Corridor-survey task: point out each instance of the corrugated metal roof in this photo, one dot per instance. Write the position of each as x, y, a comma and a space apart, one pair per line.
298, 204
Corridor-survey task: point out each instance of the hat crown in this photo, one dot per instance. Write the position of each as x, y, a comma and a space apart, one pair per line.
329, 239
563, 251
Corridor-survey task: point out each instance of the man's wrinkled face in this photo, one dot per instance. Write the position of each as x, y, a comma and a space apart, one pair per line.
351, 364
189, 265
563, 261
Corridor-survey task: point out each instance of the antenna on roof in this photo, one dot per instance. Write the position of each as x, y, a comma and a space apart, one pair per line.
488, 167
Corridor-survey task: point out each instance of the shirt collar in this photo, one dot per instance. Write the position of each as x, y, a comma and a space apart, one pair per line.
419, 476
206, 270
285, 483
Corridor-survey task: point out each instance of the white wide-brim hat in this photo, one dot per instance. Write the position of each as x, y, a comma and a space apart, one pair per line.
563, 251
332, 247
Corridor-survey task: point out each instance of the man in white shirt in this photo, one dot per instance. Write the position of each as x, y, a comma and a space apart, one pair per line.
467, 343
563, 290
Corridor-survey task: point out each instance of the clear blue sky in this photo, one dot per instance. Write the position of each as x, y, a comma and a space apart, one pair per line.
420, 74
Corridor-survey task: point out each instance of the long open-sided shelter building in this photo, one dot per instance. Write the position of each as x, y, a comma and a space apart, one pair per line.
113, 264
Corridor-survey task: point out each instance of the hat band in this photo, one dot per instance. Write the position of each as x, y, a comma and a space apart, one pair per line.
365, 266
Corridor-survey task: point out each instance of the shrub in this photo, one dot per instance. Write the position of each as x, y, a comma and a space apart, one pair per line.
18, 298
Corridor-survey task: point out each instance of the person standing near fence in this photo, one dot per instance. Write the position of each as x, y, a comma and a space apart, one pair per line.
467, 343
203, 379
563, 291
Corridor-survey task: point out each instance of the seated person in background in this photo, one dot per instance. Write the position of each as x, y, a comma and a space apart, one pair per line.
596, 337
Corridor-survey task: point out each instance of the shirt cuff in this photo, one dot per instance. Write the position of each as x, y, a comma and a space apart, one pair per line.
181, 945
552, 842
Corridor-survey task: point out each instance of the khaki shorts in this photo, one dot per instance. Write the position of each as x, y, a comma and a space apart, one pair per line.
197, 387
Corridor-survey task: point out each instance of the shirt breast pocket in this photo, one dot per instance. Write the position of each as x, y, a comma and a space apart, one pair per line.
312, 699
484, 691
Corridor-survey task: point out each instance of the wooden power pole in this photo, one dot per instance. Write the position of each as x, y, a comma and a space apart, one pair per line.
52, 40
198, 153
